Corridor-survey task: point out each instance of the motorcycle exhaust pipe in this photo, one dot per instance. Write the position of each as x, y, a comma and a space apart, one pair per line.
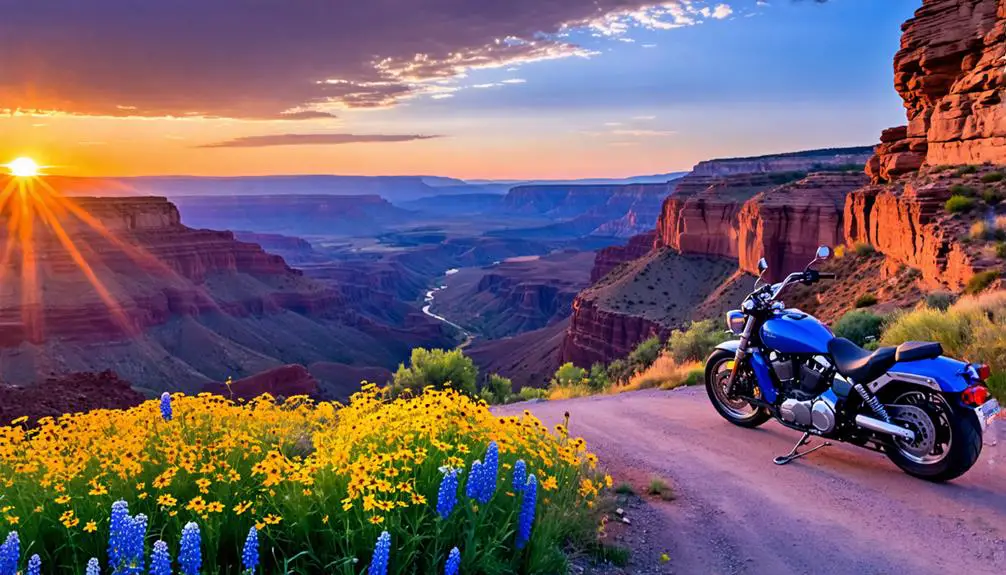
884, 427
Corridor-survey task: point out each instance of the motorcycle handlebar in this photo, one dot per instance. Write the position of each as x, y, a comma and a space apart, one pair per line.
827, 275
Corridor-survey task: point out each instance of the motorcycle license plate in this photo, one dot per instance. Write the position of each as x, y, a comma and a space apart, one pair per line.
989, 411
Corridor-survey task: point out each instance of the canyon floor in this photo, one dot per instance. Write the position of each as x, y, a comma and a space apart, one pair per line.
839, 510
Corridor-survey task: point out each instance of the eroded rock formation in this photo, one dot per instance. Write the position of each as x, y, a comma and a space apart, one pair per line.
609, 258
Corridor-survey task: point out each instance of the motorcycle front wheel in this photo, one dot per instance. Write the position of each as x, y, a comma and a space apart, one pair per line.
948, 438
735, 410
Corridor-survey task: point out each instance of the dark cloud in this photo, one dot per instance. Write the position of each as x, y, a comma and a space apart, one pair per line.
257, 60
313, 140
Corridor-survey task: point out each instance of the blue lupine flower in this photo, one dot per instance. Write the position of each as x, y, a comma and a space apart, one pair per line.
134, 536
519, 475
526, 517
160, 559
382, 552
490, 469
166, 412
473, 489
190, 557
10, 554
249, 555
34, 565
117, 524
447, 496
93, 568
453, 562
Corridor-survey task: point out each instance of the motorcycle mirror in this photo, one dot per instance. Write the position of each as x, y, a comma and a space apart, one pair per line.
823, 253
762, 265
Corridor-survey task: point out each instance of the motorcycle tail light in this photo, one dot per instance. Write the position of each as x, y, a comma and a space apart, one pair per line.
984, 371
975, 395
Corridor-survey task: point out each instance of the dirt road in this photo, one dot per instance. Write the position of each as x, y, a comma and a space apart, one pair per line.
840, 510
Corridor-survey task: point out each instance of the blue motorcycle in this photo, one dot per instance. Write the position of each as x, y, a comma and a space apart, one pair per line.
926, 412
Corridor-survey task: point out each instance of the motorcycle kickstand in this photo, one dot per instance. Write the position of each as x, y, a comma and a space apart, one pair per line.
784, 459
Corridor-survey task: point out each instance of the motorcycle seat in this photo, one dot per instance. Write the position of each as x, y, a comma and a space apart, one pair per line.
916, 350
858, 364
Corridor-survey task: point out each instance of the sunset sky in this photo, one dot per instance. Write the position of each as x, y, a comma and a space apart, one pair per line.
488, 89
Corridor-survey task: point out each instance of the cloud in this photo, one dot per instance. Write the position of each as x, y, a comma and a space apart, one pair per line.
289, 60
312, 140
643, 133
644, 118
722, 11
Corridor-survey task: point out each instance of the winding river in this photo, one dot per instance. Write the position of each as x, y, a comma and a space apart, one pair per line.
429, 304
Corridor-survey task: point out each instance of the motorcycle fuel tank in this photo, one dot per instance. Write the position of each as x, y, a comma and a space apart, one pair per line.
792, 331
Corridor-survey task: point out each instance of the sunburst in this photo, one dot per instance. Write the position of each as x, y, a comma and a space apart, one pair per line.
28, 202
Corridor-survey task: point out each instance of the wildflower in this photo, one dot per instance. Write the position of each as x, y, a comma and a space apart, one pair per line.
91, 527
63, 499
190, 557
34, 565
160, 559
526, 517
135, 535
249, 555
473, 489
382, 552
272, 519
117, 524
519, 475
167, 501
166, 412
453, 562
447, 497
490, 469
10, 554
93, 568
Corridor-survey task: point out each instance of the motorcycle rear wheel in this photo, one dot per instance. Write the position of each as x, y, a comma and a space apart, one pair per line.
958, 432
736, 411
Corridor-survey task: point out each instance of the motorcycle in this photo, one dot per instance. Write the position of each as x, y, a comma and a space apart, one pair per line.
925, 411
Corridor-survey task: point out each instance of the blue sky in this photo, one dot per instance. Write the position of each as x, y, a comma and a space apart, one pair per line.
637, 91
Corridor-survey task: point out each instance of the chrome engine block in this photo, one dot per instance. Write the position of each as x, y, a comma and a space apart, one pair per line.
819, 413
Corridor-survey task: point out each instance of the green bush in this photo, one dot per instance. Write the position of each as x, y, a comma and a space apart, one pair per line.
980, 282
859, 326
993, 177
436, 368
530, 393
962, 190
500, 388
959, 204
864, 249
645, 354
866, 300
991, 197
963, 170
599, 377
569, 375
940, 300
696, 342
619, 371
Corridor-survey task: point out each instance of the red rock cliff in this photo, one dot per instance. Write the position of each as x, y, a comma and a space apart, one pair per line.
951, 74
608, 259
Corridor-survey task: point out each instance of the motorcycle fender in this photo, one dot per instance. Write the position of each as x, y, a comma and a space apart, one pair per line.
730, 346
940, 373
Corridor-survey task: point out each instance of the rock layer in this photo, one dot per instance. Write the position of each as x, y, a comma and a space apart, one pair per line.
609, 258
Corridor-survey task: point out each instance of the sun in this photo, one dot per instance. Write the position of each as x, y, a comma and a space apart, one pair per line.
23, 168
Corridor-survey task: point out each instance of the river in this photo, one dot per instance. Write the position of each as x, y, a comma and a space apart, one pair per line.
429, 304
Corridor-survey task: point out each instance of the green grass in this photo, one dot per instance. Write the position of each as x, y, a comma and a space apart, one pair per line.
625, 489
993, 177
959, 204
660, 488
963, 170
617, 555
866, 300
962, 190
980, 282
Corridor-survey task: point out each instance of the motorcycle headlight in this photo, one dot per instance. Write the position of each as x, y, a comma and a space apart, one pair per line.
736, 321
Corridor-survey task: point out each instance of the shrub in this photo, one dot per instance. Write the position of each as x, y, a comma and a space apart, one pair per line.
993, 177
436, 368
697, 342
863, 249
569, 375
619, 371
625, 489
964, 170
302, 472
962, 190
645, 354
530, 393
980, 282
859, 326
665, 373
599, 377
866, 300
500, 388
940, 300
940, 168
660, 488
991, 197
959, 204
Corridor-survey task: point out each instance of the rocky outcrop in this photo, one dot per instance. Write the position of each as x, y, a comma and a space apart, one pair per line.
908, 224
281, 382
951, 74
806, 161
786, 224
72, 393
598, 335
609, 258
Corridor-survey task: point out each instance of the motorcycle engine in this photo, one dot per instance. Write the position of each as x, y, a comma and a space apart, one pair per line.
803, 380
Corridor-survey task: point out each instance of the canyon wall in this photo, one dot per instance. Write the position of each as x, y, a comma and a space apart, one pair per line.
609, 258
951, 75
